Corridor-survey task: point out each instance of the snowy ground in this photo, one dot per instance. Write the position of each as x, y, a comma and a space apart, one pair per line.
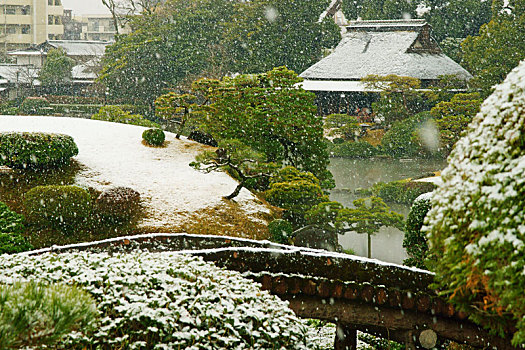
171, 190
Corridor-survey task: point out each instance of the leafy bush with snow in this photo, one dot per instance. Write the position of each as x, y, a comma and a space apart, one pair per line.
11, 229
58, 206
415, 242
34, 314
35, 149
118, 115
477, 222
154, 137
35, 106
165, 301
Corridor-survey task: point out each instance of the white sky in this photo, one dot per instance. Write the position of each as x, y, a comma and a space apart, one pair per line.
85, 7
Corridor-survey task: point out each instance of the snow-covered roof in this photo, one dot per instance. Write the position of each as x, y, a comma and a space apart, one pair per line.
334, 85
403, 48
71, 47
23, 74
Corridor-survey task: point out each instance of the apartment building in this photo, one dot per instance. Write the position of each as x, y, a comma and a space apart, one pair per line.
29, 22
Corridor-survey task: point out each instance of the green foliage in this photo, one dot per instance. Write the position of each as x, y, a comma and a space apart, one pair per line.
378, 9
400, 97
36, 315
415, 242
402, 191
296, 194
475, 226
368, 216
57, 206
35, 150
357, 149
10, 222
453, 117
117, 115
270, 114
400, 141
377, 343
343, 125
498, 48
185, 39
35, 106
280, 231
11, 229
56, 70
239, 160
176, 106
324, 214
273, 33
12, 243
154, 137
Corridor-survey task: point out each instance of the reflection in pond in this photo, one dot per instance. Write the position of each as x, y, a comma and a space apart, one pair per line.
351, 174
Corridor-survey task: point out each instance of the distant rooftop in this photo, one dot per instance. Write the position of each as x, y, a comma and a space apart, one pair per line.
386, 25
400, 47
72, 48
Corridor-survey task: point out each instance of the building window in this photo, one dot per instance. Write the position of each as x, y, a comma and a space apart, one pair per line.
49, 19
50, 2
26, 29
26, 10
57, 3
10, 10
11, 29
57, 20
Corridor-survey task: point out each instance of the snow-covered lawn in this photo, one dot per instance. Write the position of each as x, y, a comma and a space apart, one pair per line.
173, 193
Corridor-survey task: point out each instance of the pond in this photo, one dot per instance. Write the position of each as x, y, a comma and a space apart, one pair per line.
350, 174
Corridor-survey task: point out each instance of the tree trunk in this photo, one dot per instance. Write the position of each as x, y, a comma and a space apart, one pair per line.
236, 192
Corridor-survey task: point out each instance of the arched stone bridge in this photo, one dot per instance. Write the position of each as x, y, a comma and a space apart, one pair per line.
388, 300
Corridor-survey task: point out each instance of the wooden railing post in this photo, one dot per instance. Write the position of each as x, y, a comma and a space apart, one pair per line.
345, 337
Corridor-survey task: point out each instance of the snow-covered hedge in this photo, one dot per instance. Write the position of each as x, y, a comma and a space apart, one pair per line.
165, 301
477, 222
415, 242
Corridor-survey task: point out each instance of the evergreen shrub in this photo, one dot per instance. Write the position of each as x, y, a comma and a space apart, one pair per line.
164, 300
75, 109
35, 106
357, 149
280, 231
35, 150
476, 223
11, 229
154, 137
402, 191
415, 242
57, 206
118, 115
36, 315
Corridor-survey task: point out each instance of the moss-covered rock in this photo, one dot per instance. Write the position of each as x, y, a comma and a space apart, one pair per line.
477, 221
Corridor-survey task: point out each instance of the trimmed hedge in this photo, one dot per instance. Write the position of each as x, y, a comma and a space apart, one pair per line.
415, 242
118, 204
118, 115
35, 150
75, 109
35, 106
10, 222
154, 137
57, 206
